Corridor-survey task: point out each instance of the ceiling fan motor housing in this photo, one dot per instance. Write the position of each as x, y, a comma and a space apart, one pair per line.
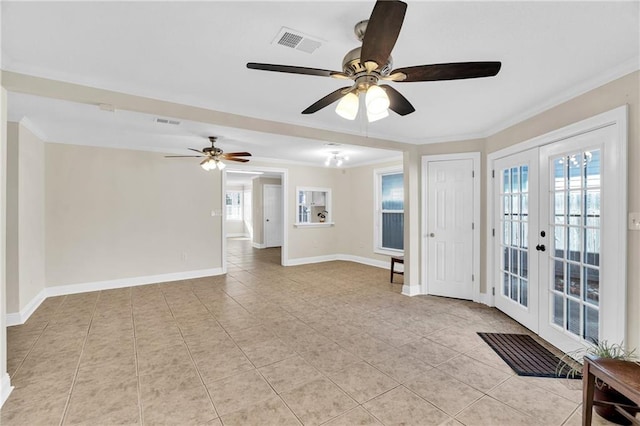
352, 66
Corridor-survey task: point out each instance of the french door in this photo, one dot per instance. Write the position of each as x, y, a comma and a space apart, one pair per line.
553, 207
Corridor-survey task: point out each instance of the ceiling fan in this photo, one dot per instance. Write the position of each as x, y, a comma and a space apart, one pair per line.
214, 156
369, 64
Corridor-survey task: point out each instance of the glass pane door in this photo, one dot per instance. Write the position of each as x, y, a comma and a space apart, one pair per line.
516, 187
575, 223
514, 233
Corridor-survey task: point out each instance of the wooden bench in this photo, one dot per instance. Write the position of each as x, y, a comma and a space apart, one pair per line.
623, 376
394, 260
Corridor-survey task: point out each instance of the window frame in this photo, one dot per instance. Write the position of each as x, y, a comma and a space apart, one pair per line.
240, 216
378, 211
312, 222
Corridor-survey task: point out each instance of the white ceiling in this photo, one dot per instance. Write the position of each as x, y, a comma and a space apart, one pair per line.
195, 53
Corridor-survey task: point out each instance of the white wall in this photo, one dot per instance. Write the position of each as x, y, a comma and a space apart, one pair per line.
25, 217
113, 214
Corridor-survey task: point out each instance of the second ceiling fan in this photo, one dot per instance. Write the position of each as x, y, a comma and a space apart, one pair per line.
371, 63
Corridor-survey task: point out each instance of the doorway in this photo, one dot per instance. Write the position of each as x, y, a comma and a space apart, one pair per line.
559, 235
254, 180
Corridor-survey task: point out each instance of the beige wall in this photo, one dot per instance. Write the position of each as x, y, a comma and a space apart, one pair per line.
305, 242
355, 199
113, 214
25, 217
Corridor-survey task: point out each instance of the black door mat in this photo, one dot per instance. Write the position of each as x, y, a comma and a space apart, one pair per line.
526, 356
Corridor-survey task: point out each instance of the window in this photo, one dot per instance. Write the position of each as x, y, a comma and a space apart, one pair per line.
233, 205
314, 206
389, 223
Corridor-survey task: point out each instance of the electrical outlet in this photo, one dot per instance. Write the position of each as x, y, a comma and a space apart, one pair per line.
634, 221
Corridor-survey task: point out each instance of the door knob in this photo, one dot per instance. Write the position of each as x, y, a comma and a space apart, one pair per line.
432, 235
541, 247
267, 220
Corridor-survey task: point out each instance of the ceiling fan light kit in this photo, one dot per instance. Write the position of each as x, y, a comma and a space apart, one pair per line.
348, 106
372, 62
213, 156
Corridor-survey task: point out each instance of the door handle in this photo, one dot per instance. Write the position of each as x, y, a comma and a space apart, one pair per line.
432, 235
267, 220
541, 247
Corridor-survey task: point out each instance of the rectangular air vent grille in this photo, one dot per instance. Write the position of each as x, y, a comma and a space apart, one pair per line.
167, 121
297, 40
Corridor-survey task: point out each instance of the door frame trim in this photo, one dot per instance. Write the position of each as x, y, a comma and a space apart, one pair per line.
617, 117
477, 168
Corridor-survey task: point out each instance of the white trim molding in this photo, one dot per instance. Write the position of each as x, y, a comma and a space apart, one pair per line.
343, 257
5, 388
18, 318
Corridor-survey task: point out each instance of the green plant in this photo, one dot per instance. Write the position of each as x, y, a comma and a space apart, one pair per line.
570, 364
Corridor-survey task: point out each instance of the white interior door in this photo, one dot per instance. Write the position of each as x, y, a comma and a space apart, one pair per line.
272, 215
450, 228
516, 236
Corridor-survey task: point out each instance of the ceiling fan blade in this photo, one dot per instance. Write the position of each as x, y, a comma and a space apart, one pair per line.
237, 154
196, 150
327, 100
382, 32
398, 103
241, 160
291, 69
183, 156
454, 71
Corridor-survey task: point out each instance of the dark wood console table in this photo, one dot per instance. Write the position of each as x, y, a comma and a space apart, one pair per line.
623, 376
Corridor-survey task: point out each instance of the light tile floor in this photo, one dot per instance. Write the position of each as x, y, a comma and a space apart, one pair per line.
331, 343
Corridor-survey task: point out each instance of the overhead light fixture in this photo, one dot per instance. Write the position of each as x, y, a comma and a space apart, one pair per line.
336, 159
376, 100
376, 103
211, 163
348, 106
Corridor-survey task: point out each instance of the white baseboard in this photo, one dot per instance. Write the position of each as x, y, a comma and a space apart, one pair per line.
5, 388
258, 245
309, 260
411, 290
18, 318
487, 299
238, 235
344, 257
365, 261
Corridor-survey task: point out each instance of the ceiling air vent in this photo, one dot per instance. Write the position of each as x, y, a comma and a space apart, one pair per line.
167, 121
297, 40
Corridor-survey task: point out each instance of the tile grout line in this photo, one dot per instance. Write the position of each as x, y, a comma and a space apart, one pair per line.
195, 365
135, 355
39, 336
75, 374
